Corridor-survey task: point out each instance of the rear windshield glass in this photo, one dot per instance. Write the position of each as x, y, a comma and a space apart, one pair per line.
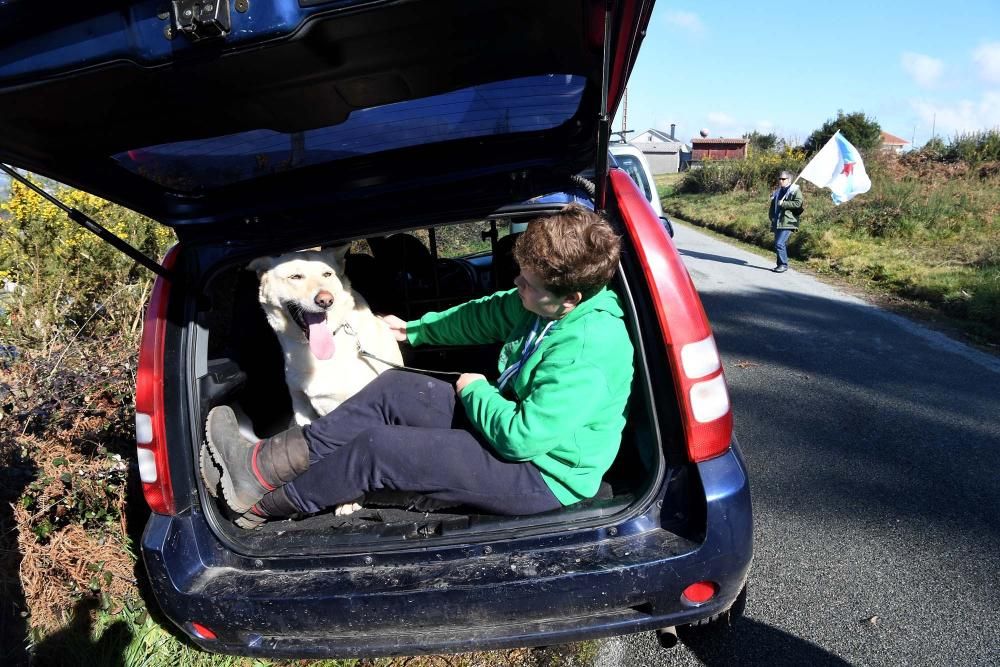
504, 107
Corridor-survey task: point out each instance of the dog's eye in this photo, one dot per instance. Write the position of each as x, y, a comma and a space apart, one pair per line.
295, 276
328, 274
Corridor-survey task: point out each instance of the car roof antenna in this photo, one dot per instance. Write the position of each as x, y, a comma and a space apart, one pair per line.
91, 225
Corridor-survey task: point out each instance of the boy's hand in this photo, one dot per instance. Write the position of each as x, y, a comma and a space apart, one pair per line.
396, 326
465, 379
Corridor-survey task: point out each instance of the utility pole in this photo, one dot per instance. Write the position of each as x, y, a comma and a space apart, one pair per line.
625, 114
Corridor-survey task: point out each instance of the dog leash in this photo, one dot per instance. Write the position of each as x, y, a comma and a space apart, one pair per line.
349, 330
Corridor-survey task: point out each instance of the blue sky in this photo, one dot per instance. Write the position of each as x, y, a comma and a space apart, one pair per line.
786, 68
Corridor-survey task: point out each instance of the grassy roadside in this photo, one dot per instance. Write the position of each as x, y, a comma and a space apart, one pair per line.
924, 243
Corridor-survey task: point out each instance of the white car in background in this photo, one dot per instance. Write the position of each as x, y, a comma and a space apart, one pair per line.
634, 163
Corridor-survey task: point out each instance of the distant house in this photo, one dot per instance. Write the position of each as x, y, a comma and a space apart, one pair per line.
893, 144
717, 149
663, 151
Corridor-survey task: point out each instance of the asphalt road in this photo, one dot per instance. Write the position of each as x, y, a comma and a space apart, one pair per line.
874, 453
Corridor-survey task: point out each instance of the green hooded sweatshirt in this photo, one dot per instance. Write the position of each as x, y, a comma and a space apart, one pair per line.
565, 409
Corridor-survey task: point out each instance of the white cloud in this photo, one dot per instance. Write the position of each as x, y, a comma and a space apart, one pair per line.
764, 126
720, 119
987, 58
687, 20
923, 69
960, 116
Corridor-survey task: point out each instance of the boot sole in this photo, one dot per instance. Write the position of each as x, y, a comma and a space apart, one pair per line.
246, 522
228, 488
210, 473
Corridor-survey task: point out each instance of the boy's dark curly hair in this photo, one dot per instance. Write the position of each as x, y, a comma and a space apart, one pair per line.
574, 250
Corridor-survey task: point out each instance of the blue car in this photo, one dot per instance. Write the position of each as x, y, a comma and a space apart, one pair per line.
426, 134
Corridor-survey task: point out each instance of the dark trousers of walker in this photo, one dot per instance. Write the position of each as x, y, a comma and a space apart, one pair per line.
403, 432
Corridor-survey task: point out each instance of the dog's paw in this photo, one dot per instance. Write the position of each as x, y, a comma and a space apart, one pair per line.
346, 509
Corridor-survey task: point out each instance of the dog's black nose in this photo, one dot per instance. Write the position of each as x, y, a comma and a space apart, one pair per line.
324, 299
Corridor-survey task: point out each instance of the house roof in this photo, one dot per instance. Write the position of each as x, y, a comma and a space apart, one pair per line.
661, 135
718, 141
893, 140
659, 146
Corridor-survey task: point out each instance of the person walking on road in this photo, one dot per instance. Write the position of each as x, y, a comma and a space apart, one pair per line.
785, 209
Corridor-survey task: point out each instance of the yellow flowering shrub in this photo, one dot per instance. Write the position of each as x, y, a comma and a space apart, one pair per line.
69, 282
755, 174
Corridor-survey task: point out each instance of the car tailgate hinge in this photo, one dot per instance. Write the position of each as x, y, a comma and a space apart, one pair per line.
200, 19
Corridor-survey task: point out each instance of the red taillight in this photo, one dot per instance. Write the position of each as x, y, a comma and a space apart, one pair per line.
150, 424
697, 370
202, 632
700, 592
709, 418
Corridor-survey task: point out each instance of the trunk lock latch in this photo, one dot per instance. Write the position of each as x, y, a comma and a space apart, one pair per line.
201, 19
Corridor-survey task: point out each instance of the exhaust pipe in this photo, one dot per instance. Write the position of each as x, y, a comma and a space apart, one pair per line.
667, 637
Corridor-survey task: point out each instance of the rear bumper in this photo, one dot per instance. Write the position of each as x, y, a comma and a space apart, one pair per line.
506, 594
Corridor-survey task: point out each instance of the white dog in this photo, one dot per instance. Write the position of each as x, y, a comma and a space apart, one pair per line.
323, 325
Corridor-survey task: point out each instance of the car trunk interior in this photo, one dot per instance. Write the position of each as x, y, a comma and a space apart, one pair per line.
408, 274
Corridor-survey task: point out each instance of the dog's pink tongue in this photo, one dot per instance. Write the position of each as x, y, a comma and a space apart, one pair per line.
320, 338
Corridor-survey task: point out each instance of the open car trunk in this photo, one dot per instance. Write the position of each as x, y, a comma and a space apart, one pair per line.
266, 125
238, 362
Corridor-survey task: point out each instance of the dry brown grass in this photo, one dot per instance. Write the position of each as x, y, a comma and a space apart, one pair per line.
58, 572
71, 561
67, 538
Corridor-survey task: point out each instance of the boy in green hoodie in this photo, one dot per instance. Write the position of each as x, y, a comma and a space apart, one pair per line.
538, 438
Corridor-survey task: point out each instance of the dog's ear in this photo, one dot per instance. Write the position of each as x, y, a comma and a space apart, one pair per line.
261, 264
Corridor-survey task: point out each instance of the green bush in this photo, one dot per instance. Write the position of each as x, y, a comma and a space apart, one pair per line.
756, 174
863, 132
889, 211
972, 148
758, 142
68, 281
